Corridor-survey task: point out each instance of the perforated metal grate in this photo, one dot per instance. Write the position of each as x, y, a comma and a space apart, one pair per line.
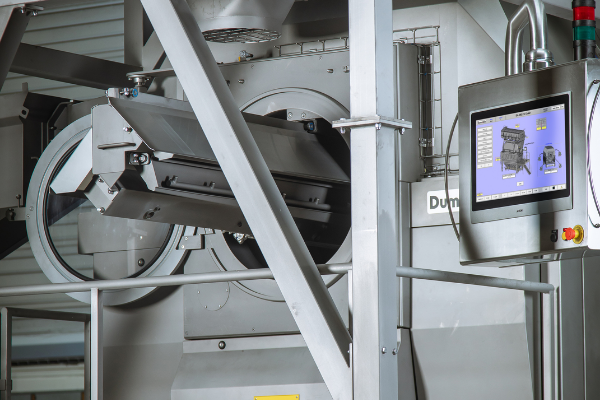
241, 35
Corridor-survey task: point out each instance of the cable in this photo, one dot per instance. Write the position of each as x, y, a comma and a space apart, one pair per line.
589, 135
447, 166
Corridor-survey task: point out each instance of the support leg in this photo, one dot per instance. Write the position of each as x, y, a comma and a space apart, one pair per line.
96, 349
375, 252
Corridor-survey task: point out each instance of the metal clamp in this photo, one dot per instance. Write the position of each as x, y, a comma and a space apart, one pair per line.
377, 120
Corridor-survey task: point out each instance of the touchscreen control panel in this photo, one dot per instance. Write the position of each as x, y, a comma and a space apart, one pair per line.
521, 153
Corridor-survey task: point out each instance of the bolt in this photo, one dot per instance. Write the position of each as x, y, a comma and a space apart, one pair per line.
110, 191
222, 345
204, 306
185, 238
141, 262
31, 208
101, 210
227, 290
128, 129
303, 115
330, 71
182, 247
27, 216
378, 126
383, 350
241, 81
290, 115
346, 69
342, 130
394, 351
18, 197
141, 237
403, 131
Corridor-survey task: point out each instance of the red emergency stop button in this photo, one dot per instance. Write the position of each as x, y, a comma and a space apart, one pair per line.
575, 234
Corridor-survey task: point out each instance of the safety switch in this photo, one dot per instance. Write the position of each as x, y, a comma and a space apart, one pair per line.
575, 234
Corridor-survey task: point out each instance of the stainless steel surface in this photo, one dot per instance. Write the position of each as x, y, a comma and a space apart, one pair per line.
534, 13
40, 240
534, 228
234, 21
428, 202
375, 214
262, 204
97, 345
170, 126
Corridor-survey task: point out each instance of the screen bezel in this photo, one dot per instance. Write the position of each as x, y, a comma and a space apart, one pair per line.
511, 109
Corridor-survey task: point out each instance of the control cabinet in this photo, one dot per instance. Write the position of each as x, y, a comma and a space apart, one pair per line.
526, 192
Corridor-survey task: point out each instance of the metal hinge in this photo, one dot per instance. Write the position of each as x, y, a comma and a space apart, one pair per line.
425, 142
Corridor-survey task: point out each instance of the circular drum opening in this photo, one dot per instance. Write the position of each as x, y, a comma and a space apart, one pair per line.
73, 242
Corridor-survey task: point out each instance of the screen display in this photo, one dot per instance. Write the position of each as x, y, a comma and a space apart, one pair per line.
521, 153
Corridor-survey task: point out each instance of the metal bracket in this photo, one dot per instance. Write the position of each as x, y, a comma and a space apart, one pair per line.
195, 242
377, 120
2, 385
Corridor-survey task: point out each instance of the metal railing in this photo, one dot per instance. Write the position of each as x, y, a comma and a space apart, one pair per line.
94, 321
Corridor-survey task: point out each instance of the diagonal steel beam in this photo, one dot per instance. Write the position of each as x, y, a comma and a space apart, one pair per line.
13, 22
246, 171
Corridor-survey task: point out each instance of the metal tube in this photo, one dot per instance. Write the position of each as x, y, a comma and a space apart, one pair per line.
534, 13
478, 280
229, 276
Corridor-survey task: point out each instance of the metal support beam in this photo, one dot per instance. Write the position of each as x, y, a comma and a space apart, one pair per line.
375, 252
261, 202
96, 350
13, 22
71, 68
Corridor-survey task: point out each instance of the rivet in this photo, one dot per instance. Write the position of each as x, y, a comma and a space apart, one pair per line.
31, 208
222, 344
383, 350
394, 351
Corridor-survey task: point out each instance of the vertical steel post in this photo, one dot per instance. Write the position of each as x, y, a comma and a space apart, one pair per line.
375, 252
5, 354
87, 361
272, 225
96, 350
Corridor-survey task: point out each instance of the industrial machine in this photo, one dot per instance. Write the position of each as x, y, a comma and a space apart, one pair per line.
264, 203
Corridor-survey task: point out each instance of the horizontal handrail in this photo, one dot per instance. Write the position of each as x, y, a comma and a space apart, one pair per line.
254, 274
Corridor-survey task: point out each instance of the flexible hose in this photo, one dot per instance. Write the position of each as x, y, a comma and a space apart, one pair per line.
589, 135
446, 178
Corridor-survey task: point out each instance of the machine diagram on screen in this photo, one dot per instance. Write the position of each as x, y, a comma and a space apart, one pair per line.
514, 155
549, 158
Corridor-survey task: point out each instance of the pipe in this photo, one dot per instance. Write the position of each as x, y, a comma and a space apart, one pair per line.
229, 276
534, 13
